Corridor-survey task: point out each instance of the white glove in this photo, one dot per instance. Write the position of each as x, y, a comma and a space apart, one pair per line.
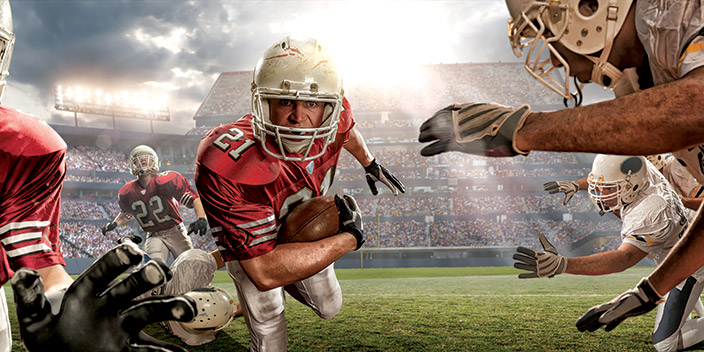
636, 301
475, 128
540, 264
568, 187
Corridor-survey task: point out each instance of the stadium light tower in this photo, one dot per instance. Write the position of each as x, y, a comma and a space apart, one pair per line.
131, 105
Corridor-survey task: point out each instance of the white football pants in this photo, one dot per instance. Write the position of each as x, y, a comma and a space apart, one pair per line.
5, 335
174, 240
264, 310
674, 329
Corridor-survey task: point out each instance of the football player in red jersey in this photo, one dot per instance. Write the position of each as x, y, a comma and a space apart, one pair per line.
54, 312
153, 199
252, 172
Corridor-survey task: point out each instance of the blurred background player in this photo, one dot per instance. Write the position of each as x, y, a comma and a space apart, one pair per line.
690, 191
653, 220
32, 169
252, 172
153, 199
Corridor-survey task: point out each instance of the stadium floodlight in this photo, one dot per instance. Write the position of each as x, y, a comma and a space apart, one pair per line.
99, 101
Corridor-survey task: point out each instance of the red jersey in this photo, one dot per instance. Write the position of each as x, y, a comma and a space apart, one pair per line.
32, 169
156, 206
246, 192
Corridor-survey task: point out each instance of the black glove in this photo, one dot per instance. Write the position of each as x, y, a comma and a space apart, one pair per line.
376, 172
350, 218
108, 227
636, 301
199, 226
476, 128
95, 313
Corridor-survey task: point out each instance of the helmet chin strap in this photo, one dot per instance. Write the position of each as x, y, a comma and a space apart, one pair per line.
603, 72
576, 96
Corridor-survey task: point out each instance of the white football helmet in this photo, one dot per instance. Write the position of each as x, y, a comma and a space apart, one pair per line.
216, 308
143, 159
658, 160
296, 69
7, 43
616, 181
537, 24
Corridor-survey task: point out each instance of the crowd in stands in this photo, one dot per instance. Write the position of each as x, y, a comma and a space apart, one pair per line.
482, 233
610, 244
96, 159
472, 205
435, 86
82, 220
95, 179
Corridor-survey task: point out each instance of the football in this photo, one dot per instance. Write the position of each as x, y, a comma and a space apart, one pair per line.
310, 221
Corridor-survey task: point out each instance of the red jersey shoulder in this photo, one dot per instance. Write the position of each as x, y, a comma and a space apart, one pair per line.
165, 177
232, 152
24, 134
127, 188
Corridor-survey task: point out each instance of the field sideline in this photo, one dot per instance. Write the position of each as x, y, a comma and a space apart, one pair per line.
447, 309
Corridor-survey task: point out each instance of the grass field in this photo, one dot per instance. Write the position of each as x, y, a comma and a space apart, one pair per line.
448, 309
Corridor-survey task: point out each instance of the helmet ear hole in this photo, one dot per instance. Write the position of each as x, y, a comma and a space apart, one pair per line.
588, 8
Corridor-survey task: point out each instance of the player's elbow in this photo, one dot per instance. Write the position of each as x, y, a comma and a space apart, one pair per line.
264, 283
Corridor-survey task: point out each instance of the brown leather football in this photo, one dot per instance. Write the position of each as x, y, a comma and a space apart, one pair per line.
310, 221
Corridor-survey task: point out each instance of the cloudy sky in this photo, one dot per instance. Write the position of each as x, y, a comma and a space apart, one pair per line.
179, 47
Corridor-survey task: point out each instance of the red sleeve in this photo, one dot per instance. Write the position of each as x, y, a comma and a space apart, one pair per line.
179, 187
123, 200
30, 211
243, 229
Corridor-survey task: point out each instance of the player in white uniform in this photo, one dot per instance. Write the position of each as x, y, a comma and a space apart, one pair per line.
691, 192
652, 220
595, 41
193, 271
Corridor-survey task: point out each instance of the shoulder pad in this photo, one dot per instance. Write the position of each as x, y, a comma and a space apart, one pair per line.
251, 166
126, 188
166, 177
27, 135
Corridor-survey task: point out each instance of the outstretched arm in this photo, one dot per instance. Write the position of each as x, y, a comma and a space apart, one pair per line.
626, 256
356, 146
652, 121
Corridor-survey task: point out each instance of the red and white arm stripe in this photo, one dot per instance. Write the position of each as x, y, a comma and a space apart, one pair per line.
266, 226
186, 200
8, 239
22, 225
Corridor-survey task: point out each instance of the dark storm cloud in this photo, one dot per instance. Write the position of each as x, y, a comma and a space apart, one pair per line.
95, 42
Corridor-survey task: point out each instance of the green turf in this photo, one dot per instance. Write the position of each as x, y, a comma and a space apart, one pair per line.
450, 309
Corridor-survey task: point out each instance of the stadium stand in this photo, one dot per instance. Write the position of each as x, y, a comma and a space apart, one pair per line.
452, 200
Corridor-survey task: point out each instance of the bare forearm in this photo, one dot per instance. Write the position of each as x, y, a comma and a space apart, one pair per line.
652, 121
356, 146
292, 262
692, 203
122, 218
583, 184
198, 208
598, 264
683, 260
54, 277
